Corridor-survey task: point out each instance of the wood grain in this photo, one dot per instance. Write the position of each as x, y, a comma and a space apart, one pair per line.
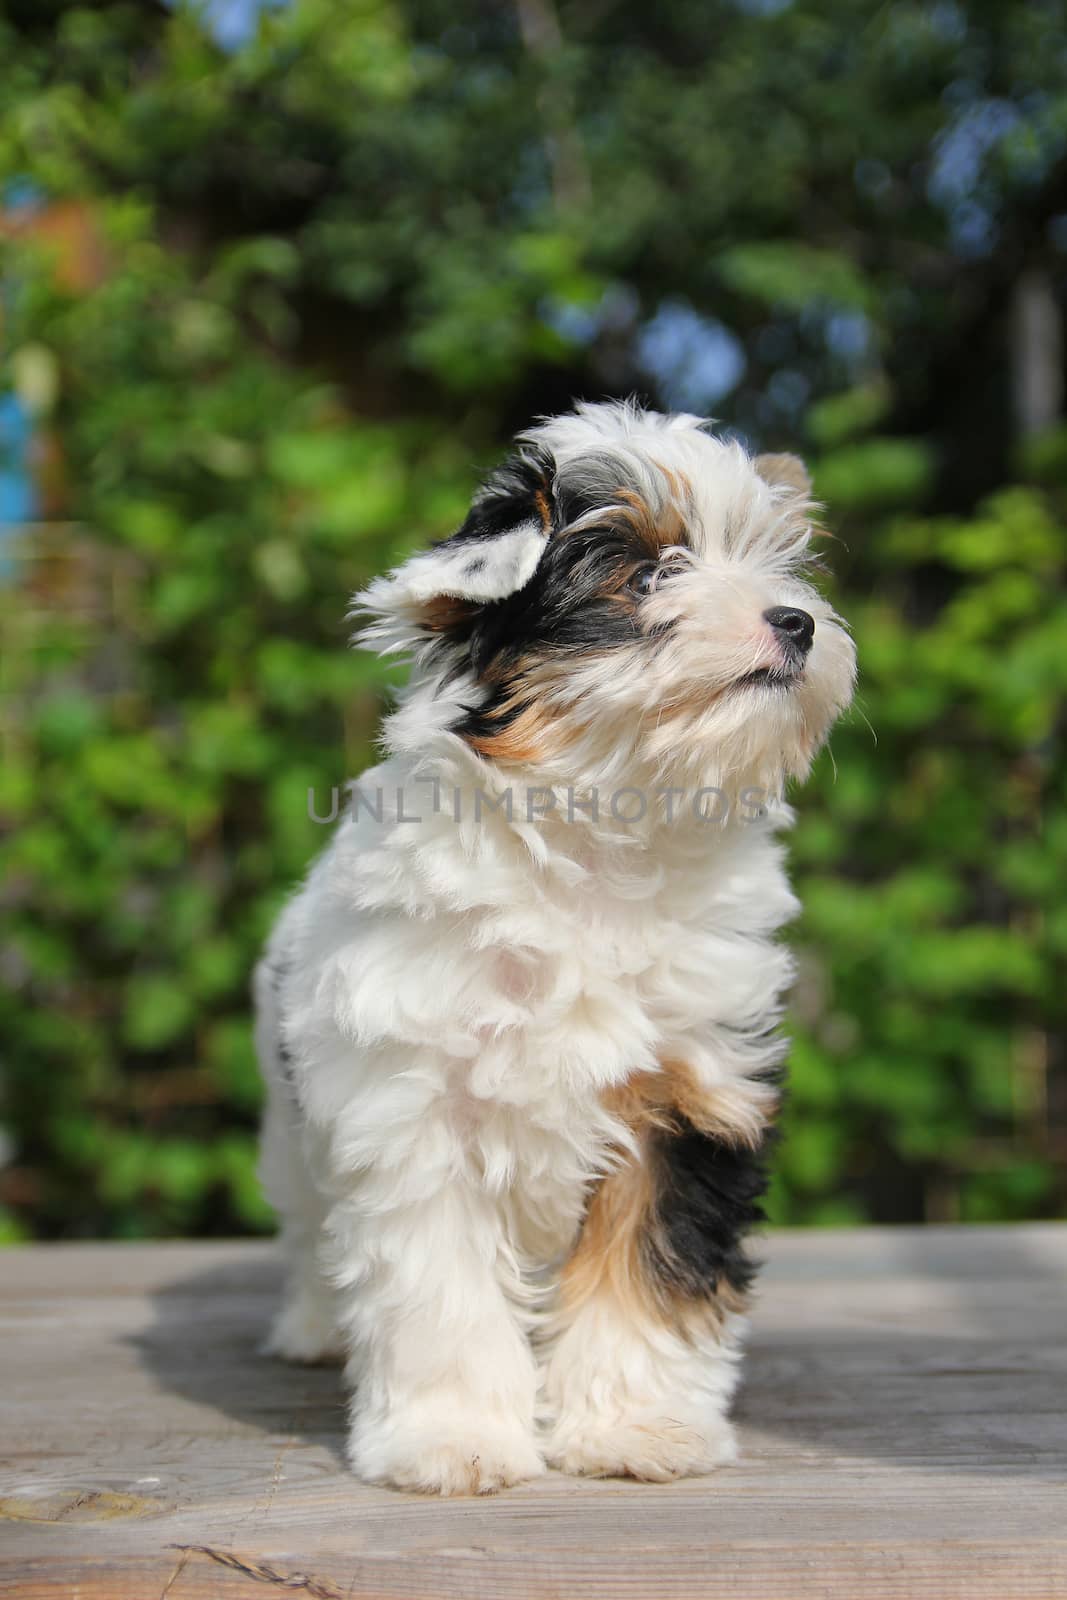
903, 1421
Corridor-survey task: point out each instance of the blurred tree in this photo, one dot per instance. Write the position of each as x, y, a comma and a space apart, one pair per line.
339, 250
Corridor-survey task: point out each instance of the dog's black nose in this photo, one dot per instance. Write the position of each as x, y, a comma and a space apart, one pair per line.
793, 624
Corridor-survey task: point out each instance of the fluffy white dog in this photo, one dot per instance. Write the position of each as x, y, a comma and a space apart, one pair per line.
518, 1025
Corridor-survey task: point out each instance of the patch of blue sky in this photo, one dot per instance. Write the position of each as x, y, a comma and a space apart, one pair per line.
20, 197
848, 336
960, 156
695, 360
18, 495
763, 8
575, 323
948, 21
232, 22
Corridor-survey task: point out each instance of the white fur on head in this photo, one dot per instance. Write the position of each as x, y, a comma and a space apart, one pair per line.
585, 678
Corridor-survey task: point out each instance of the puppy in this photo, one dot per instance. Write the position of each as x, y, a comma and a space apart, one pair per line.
518, 1027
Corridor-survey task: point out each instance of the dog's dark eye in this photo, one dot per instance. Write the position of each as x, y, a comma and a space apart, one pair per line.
643, 581
647, 578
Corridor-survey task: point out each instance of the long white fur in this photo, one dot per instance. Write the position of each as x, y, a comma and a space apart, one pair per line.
444, 1002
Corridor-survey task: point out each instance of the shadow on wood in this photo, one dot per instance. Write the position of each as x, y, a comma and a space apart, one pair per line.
895, 1345
903, 1427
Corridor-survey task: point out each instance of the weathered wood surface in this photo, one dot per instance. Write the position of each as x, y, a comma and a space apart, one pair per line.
904, 1427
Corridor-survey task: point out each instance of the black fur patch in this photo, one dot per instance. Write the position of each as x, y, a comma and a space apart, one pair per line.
519, 490
574, 603
576, 600
707, 1197
285, 1060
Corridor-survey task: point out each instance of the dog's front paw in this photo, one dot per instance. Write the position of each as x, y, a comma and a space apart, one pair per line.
451, 1458
654, 1449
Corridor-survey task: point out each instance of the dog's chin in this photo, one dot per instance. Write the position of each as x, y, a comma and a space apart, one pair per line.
761, 732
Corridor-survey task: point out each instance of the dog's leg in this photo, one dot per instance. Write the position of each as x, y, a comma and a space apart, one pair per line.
445, 1380
305, 1328
640, 1377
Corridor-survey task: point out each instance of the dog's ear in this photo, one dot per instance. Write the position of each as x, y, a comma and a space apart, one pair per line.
785, 472
493, 555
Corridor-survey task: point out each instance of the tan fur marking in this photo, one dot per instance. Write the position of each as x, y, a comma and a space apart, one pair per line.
528, 737
737, 1114
443, 612
608, 1259
544, 509
656, 530
681, 490
784, 472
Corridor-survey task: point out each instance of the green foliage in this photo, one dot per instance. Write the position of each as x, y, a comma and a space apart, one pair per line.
931, 864
327, 273
167, 709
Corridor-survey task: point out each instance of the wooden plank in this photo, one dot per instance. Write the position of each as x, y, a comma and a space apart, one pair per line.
903, 1421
